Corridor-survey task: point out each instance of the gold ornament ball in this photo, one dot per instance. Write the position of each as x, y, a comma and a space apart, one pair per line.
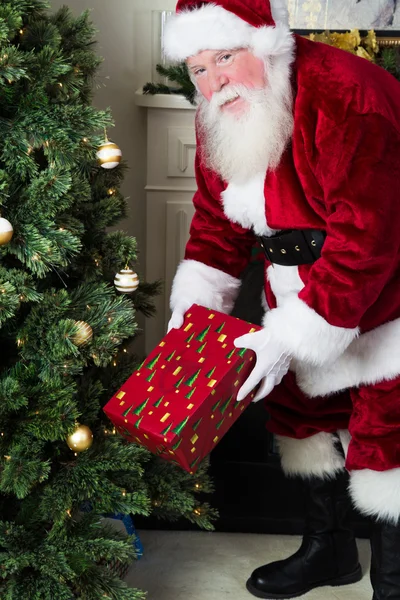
109, 155
81, 439
6, 231
126, 281
84, 333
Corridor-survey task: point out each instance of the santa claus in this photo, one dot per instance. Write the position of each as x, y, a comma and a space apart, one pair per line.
299, 149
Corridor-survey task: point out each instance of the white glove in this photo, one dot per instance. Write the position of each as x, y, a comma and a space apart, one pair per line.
178, 315
271, 366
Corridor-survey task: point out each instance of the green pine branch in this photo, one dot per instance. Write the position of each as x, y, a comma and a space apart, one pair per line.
176, 74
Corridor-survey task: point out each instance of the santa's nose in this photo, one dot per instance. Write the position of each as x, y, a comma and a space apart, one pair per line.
217, 82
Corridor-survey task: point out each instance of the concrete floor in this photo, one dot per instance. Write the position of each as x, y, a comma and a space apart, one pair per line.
215, 566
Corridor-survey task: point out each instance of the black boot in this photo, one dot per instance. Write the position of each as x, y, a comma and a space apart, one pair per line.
328, 554
385, 561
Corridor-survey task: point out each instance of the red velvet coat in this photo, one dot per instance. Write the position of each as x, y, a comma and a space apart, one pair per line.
341, 174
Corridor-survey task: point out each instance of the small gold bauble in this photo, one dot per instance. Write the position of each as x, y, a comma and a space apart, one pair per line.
84, 333
81, 439
6, 231
109, 155
126, 281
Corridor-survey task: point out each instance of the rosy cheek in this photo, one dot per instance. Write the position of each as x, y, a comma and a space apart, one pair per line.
204, 89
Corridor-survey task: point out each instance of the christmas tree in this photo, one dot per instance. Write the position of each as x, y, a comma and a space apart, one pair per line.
65, 328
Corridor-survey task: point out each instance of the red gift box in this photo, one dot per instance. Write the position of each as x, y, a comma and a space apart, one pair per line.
182, 399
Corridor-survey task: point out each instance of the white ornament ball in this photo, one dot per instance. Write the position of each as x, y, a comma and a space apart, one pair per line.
109, 155
6, 231
126, 281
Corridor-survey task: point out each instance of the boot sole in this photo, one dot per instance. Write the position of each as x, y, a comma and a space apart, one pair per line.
344, 580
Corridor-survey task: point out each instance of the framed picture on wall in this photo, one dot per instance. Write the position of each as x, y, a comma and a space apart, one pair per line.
383, 16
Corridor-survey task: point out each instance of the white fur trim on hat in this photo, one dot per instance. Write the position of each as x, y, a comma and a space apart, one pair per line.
211, 27
377, 493
197, 283
315, 456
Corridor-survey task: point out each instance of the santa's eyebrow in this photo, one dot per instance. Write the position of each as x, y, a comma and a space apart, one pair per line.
215, 54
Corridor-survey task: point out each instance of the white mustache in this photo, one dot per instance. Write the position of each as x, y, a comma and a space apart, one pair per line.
228, 94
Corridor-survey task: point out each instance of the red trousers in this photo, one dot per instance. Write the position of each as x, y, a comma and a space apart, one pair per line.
371, 414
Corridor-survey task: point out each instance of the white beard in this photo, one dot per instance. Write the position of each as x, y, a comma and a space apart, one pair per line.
238, 147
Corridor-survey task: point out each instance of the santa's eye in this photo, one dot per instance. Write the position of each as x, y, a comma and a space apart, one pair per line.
199, 72
226, 57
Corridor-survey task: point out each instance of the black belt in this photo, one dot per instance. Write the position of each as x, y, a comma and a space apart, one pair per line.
294, 247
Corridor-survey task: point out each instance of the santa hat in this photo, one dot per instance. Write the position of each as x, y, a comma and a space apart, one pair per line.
260, 25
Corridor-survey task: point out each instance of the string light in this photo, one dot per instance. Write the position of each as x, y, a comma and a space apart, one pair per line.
125, 350
69, 512
115, 363
7, 457
3, 291
21, 31
60, 84
124, 493
197, 512
61, 229
114, 431
85, 140
30, 149
35, 257
198, 486
111, 191
2, 434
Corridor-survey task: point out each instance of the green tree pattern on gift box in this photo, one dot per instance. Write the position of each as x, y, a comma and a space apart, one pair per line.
202, 347
167, 429
153, 363
220, 328
211, 373
178, 430
157, 404
197, 424
127, 411
225, 405
191, 393
202, 336
141, 407
219, 425
179, 383
171, 356
176, 446
193, 378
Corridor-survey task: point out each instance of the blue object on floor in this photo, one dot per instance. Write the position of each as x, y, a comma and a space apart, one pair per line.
130, 530
127, 521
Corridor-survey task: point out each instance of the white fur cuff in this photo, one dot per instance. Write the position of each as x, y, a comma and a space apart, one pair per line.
377, 493
197, 283
305, 334
315, 456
